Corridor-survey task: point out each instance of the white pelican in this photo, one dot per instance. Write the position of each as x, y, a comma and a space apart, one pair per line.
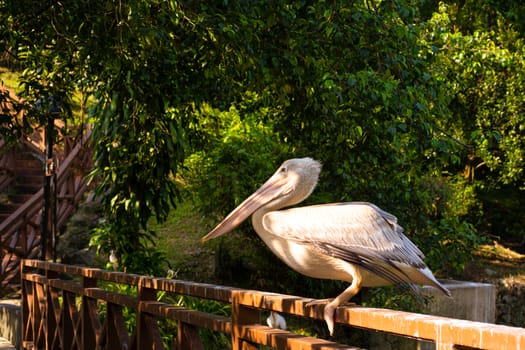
354, 242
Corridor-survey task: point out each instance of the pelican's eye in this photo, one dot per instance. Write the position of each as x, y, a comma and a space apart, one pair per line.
283, 169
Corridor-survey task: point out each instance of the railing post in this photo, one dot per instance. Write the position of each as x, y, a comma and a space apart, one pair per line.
147, 332
242, 315
68, 321
51, 324
188, 337
27, 336
39, 314
88, 329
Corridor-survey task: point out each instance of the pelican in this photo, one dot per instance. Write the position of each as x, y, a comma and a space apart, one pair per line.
355, 242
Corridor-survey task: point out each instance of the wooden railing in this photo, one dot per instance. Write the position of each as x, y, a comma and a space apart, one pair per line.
69, 307
20, 233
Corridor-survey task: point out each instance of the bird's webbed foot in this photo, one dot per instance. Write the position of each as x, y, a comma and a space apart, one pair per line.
330, 305
328, 311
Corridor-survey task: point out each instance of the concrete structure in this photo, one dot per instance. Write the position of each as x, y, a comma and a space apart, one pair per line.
6, 345
470, 301
10, 324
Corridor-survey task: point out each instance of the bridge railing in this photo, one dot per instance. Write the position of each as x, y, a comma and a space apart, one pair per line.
20, 233
69, 307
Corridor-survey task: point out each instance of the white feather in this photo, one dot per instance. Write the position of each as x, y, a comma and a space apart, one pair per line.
275, 320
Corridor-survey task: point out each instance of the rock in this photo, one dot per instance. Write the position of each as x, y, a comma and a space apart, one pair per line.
73, 243
510, 302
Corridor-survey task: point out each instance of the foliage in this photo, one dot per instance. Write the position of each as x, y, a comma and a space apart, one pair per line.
116, 53
213, 175
348, 84
210, 339
416, 106
484, 72
139, 135
390, 297
477, 51
114, 238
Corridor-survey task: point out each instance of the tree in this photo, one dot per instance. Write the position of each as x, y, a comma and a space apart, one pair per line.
370, 88
120, 54
483, 69
350, 84
478, 55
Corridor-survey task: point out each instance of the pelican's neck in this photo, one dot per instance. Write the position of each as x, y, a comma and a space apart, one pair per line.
258, 215
269, 238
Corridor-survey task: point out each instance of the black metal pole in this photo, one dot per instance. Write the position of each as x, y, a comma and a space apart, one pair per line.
49, 216
47, 185
54, 216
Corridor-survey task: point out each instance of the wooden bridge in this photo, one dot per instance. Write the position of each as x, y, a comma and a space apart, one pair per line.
69, 307
22, 172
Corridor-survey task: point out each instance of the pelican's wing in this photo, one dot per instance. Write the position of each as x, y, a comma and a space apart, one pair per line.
356, 232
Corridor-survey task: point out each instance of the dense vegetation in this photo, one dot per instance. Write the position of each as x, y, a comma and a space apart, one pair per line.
417, 106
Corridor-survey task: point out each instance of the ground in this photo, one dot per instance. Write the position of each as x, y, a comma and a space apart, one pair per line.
180, 239
494, 262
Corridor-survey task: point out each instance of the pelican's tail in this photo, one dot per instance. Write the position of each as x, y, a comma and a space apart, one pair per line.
426, 277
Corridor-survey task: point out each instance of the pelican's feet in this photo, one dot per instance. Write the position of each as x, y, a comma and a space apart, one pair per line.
329, 311
329, 317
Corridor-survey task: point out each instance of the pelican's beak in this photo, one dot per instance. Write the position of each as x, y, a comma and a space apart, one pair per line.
275, 187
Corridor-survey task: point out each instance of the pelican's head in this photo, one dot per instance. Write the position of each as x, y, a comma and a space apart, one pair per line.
293, 181
300, 175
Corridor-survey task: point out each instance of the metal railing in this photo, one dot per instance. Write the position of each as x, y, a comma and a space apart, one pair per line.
70, 307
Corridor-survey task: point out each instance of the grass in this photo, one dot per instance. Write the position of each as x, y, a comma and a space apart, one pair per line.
179, 238
495, 261
9, 78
